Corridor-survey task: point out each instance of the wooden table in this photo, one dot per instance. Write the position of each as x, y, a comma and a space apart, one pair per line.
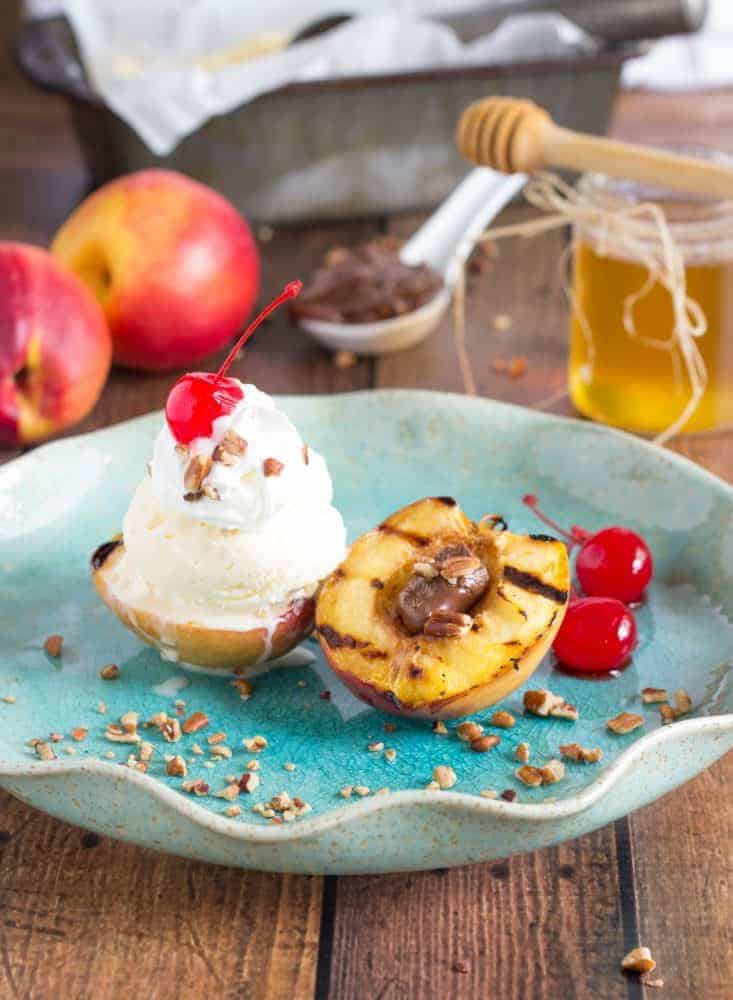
86, 917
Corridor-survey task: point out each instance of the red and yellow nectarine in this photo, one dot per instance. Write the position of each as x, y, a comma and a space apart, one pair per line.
173, 264
55, 348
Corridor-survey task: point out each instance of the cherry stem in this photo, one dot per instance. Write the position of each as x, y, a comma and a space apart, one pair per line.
574, 537
289, 292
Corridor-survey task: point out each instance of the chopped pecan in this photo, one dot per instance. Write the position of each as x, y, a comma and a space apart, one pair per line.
469, 731
529, 775
445, 776
249, 781
682, 702
196, 786
171, 730
129, 721
638, 960
565, 711
454, 568
230, 791
243, 686
667, 714
230, 448
44, 750
624, 723
447, 624
586, 755
485, 743
651, 696
196, 472
176, 767
53, 645
272, 467
195, 722
503, 719
540, 702
552, 771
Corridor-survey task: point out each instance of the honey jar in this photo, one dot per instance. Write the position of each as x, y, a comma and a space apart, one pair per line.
651, 344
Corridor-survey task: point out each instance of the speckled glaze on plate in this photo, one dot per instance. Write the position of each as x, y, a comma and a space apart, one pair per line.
384, 449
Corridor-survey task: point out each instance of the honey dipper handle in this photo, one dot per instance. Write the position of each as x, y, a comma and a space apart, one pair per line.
560, 147
517, 136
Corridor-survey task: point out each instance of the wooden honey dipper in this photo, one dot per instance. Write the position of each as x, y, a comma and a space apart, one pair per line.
518, 136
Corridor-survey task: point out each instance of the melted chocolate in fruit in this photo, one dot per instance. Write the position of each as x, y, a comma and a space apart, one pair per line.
423, 594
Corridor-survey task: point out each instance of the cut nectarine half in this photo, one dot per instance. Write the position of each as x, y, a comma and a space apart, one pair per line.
511, 626
180, 638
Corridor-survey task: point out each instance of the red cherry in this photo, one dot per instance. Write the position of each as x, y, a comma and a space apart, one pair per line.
598, 634
613, 562
198, 398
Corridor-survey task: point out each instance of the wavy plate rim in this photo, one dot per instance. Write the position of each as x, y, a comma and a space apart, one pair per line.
462, 802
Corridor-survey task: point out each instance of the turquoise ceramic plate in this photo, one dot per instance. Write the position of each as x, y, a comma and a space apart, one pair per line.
384, 450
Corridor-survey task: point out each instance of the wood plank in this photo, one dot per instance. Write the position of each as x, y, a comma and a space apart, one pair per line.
544, 925
118, 919
682, 848
521, 286
86, 917
683, 868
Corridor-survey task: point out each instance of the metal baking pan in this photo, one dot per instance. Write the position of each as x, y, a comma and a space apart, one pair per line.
342, 148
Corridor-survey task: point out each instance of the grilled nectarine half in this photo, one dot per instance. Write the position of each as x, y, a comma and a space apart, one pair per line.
180, 638
435, 615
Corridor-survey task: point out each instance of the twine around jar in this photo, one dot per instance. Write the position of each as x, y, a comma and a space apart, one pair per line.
639, 233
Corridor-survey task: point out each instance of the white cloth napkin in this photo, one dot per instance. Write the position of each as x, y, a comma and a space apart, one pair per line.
689, 62
166, 66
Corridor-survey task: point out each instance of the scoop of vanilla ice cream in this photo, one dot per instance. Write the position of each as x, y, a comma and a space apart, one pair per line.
268, 540
197, 568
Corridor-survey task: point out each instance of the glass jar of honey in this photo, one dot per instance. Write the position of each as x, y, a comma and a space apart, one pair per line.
628, 367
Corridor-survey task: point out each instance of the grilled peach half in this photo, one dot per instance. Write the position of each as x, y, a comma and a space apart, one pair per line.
225, 649
512, 625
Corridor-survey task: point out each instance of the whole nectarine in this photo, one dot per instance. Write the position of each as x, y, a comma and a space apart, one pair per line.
55, 348
173, 264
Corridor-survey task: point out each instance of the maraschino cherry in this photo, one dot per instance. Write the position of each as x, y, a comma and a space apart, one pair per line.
613, 562
598, 634
199, 398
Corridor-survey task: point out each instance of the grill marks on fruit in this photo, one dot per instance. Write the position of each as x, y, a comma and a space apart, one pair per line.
374, 654
337, 640
102, 553
446, 501
534, 585
542, 538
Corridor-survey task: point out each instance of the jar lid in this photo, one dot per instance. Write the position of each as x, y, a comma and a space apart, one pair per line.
701, 227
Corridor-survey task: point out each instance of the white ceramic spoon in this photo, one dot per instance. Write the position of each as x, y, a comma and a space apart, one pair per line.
444, 242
